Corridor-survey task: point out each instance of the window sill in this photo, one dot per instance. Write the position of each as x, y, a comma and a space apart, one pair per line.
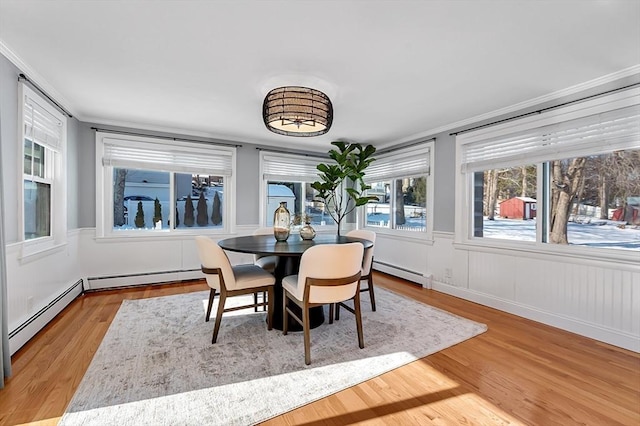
35, 251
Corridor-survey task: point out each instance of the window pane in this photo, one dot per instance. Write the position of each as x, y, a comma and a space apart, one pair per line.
134, 199
34, 159
287, 192
315, 210
504, 203
378, 211
37, 210
410, 204
595, 201
199, 201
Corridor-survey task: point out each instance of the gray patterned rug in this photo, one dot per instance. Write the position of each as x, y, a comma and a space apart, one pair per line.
157, 366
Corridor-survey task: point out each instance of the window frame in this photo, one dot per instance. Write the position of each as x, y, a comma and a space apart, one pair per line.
465, 177
105, 195
395, 158
54, 174
303, 171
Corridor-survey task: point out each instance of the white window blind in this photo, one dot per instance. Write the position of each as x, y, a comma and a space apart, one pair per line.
406, 162
41, 126
291, 168
167, 157
608, 131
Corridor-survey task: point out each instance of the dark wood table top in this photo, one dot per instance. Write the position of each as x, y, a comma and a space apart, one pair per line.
294, 246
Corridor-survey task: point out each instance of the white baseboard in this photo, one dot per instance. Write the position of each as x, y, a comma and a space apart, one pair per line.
25, 331
593, 331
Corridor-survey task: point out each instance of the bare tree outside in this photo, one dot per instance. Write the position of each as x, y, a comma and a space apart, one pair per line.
118, 196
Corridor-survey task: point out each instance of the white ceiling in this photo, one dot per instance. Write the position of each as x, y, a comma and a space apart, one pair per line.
394, 70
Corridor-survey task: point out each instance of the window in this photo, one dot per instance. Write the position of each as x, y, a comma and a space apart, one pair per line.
401, 181
288, 178
43, 184
153, 186
569, 177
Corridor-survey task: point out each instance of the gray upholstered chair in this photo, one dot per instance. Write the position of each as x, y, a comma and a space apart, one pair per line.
229, 281
329, 274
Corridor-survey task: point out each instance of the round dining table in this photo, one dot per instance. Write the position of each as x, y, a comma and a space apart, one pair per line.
288, 253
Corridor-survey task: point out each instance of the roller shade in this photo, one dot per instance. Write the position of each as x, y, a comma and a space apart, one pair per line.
291, 168
401, 163
155, 156
591, 135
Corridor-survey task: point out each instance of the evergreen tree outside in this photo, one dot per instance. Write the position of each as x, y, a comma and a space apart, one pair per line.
216, 215
157, 212
188, 212
139, 216
202, 218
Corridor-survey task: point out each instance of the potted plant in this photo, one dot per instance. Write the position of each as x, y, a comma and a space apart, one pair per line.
341, 186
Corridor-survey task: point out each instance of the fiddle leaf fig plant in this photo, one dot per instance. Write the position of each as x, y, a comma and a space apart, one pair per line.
341, 186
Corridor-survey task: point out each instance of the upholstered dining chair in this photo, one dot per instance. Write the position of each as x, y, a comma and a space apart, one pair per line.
266, 262
328, 274
229, 281
367, 264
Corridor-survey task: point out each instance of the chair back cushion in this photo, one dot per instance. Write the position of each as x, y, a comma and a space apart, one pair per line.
367, 261
212, 256
330, 261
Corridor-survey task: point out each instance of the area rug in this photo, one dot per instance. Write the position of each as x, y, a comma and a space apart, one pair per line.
157, 366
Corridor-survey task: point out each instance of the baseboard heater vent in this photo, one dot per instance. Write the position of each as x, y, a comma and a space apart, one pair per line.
135, 279
398, 271
25, 331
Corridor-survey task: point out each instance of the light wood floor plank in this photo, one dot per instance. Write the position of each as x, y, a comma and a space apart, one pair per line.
517, 373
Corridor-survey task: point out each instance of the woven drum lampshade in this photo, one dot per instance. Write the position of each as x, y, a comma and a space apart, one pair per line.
297, 111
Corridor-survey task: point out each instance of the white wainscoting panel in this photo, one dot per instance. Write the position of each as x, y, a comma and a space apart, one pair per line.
598, 300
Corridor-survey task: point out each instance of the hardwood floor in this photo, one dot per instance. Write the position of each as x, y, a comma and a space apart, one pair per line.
518, 372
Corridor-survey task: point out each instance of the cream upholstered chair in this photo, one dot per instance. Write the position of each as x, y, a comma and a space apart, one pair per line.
266, 262
329, 274
229, 281
367, 264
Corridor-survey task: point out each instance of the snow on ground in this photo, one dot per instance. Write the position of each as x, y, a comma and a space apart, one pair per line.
600, 233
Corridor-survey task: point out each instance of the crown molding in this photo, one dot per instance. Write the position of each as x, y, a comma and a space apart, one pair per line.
627, 72
36, 78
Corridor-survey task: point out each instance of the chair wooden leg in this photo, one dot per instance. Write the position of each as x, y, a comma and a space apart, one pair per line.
264, 299
356, 306
212, 295
255, 302
332, 307
371, 295
285, 315
270, 310
337, 312
307, 335
216, 326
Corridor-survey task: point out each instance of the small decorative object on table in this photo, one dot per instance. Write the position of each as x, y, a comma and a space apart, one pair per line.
281, 222
307, 232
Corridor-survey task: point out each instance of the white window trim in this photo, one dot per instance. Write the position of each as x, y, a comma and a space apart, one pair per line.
309, 161
104, 189
464, 182
427, 146
58, 238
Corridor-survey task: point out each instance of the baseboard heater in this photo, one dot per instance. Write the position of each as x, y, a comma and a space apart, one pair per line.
398, 271
29, 328
128, 280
